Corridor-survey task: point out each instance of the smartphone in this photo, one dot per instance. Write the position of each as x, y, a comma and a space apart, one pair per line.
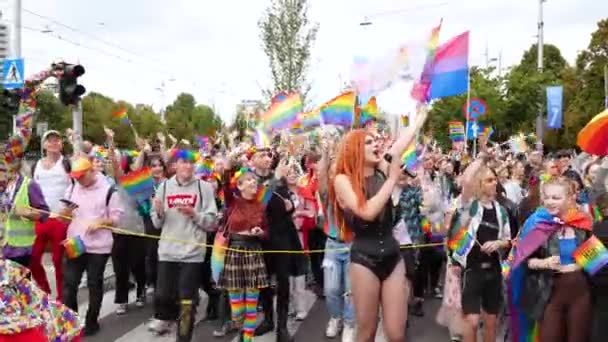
68, 203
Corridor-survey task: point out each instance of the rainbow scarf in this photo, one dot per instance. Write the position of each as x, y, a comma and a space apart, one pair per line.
218, 254
74, 247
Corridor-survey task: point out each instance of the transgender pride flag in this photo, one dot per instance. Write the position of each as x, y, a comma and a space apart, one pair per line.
450, 74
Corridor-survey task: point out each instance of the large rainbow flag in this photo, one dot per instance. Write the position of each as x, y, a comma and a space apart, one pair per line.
283, 113
339, 111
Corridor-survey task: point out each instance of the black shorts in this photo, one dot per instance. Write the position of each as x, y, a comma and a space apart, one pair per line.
481, 289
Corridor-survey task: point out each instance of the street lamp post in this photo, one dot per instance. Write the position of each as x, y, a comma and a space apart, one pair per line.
539, 118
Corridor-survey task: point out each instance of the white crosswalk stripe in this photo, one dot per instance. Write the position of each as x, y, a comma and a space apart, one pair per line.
141, 333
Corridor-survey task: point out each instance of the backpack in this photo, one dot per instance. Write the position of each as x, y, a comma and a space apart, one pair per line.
111, 190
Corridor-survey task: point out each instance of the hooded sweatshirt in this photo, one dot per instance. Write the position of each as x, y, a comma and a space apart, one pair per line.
176, 226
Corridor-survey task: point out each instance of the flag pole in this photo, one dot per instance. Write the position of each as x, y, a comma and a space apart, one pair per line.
468, 114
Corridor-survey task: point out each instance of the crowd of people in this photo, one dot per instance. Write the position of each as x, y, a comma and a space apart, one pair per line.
347, 219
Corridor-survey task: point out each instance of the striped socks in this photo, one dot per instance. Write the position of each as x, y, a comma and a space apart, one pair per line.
237, 306
251, 313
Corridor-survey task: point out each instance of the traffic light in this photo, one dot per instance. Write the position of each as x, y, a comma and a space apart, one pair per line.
69, 89
10, 101
4, 41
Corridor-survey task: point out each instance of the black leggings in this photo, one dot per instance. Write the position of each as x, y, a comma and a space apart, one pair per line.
428, 270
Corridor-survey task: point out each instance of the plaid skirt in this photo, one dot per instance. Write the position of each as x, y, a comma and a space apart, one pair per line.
243, 269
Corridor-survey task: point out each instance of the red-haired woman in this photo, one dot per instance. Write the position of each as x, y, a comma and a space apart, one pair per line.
359, 196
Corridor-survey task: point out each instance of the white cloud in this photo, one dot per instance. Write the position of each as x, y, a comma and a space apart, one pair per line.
212, 49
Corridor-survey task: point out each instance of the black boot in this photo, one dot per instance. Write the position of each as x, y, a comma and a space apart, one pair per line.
267, 305
213, 306
284, 336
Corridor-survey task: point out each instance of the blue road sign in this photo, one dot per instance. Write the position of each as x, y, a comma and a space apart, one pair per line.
473, 129
12, 73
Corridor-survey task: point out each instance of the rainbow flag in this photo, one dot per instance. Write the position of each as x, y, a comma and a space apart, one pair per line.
74, 247
456, 130
283, 113
410, 157
261, 139
461, 242
369, 112
421, 89
204, 168
311, 118
264, 195
592, 255
426, 227
139, 184
339, 111
122, 116
487, 131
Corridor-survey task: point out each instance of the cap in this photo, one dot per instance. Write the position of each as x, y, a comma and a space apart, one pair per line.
80, 166
49, 133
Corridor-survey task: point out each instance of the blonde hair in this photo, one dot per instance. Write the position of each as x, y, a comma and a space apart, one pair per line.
564, 182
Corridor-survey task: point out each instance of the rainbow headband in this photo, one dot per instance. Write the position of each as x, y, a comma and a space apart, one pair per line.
238, 175
188, 155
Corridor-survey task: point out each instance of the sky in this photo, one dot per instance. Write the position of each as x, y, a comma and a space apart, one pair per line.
149, 51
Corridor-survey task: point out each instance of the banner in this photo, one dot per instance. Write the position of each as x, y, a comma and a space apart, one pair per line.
554, 106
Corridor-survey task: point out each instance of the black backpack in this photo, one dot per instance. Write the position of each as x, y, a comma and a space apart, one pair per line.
111, 190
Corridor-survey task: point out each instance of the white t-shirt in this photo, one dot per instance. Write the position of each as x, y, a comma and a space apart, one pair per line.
53, 182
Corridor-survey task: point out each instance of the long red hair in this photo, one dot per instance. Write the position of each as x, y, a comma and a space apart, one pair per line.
350, 161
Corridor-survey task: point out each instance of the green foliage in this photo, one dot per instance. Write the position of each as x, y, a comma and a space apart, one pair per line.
287, 36
515, 99
185, 118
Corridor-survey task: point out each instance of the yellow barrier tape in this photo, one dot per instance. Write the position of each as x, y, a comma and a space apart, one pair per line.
205, 245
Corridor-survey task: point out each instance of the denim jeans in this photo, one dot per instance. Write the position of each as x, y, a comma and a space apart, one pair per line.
337, 282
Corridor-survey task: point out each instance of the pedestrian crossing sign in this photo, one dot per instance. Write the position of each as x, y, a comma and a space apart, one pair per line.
12, 73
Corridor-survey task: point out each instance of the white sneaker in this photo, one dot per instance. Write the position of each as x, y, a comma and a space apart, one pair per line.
348, 334
300, 316
121, 309
333, 327
159, 327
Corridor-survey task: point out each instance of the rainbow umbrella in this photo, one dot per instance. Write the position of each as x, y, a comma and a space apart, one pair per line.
593, 138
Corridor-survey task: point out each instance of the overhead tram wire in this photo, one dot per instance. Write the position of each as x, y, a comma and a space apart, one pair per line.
92, 36
104, 52
59, 37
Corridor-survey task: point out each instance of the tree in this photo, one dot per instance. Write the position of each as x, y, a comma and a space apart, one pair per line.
483, 86
185, 118
287, 36
589, 99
